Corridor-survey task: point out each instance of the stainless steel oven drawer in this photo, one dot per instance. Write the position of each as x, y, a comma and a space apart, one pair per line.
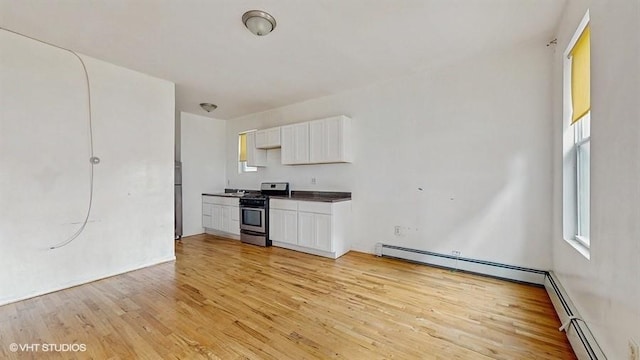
254, 239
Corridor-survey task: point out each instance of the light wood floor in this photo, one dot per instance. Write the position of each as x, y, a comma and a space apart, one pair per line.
224, 299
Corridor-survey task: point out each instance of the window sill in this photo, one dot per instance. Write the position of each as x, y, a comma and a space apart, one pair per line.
583, 250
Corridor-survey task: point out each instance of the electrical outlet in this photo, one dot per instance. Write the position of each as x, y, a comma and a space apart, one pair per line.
396, 230
313, 181
455, 253
633, 350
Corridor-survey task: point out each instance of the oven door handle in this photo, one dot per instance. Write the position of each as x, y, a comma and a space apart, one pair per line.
258, 207
251, 232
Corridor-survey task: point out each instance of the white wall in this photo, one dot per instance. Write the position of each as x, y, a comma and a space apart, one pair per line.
475, 136
44, 182
606, 289
203, 165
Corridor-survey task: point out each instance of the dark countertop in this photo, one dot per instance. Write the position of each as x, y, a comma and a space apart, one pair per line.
224, 195
233, 193
319, 196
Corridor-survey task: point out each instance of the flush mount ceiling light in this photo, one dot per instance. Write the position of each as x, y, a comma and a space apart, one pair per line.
259, 22
208, 107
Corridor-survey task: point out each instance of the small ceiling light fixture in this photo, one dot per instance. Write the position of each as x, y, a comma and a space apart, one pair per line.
208, 107
259, 22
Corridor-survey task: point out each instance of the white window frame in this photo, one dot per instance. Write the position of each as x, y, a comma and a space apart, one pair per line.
582, 139
242, 165
576, 200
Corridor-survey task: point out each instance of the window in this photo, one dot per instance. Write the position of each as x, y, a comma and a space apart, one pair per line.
583, 154
242, 155
577, 138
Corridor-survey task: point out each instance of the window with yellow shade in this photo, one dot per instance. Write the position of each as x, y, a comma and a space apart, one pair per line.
577, 139
242, 155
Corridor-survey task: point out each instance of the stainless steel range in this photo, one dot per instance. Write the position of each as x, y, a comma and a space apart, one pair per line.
254, 213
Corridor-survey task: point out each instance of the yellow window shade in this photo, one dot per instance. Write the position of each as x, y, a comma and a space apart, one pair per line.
581, 76
243, 147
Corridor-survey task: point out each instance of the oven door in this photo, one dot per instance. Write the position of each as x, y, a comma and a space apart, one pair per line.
253, 219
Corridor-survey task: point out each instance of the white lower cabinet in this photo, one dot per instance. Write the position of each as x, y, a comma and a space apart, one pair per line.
314, 227
305, 229
315, 231
231, 219
221, 214
283, 226
322, 232
216, 216
207, 222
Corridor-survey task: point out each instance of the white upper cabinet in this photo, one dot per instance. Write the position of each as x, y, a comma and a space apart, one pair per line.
255, 156
268, 138
330, 140
316, 142
295, 144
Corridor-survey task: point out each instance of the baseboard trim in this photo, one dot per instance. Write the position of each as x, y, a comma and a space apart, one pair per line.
221, 234
303, 249
582, 341
87, 281
481, 267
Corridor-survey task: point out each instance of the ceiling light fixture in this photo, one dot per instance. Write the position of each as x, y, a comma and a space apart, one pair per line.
208, 107
259, 22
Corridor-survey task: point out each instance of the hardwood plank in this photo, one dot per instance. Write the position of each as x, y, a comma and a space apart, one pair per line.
222, 299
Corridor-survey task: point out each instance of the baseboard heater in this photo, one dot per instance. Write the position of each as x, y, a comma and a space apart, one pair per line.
582, 340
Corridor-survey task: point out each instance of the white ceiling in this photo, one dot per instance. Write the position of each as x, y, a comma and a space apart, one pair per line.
318, 48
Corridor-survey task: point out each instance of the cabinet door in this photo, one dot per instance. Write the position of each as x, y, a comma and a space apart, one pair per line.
206, 216
235, 220
301, 143
206, 221
333, 150
276, 223
306, 231
290, 226
216, 217
326, 140
268, 138
262, 140
322, 232
235, 227
285, 226
255, 157
273, 137
317, 145
295, 144
231, 219
226, 218
288, 142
